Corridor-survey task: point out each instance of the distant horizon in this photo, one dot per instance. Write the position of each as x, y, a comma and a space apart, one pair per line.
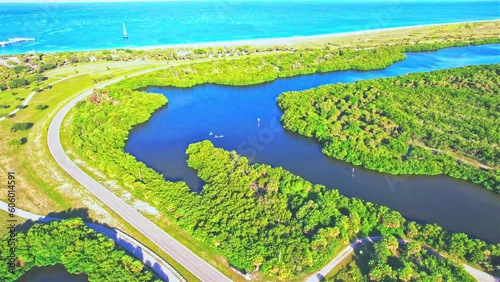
115, 1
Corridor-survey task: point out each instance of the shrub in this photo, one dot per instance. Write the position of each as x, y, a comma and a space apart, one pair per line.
18, 142
17, 82
21, 126
41, 107
34, 77
18, 69
15, 143
45, 67
200, 51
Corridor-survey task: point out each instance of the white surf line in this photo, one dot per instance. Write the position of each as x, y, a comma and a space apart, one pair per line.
159, 266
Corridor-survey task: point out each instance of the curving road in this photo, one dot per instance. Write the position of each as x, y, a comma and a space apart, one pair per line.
347, 251
184, 256
138, 250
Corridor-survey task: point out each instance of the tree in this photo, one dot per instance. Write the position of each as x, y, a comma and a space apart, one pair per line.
21, 126
17, 82
41, 107
34, 77
413, 248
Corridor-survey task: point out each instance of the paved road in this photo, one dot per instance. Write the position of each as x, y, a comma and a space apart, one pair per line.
138, 250
176, 250
478, 274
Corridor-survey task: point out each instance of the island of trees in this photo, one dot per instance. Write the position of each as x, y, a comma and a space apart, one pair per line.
70, 243
443, 122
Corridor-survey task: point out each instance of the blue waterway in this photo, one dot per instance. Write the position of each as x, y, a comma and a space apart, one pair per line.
85, 26
231, 111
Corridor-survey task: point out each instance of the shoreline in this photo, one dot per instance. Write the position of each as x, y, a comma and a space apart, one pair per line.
263, 42
293, 40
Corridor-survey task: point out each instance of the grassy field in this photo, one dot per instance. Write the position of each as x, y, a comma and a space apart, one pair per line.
43, 187
10, 99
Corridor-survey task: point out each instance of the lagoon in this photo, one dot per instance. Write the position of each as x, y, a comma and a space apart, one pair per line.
192, 113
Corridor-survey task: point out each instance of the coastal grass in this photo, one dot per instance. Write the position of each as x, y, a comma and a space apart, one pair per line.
446, 33
465, 32
44, 187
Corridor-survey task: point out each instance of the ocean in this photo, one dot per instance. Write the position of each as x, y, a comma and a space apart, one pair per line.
89, 26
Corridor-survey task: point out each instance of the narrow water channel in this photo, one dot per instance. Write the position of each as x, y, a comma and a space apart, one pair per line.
54, 273
233, 112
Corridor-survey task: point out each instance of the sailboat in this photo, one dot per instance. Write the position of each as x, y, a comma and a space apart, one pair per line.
125, 35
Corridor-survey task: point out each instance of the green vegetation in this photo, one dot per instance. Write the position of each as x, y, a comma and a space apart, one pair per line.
456, 245
443, 122
390, 260
288, 224
350, 273
265, 68
43, 179
41, 176
41, 107
258, 217
17, 82
72, 244
21, 126
254, 70
18, 142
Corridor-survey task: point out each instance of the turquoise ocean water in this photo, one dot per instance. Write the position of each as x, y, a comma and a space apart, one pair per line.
85, 26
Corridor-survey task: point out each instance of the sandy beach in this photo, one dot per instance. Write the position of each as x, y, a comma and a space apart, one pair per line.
297, 40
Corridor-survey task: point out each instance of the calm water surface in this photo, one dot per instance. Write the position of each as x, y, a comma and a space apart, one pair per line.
193, 113
88, 26
56, 273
